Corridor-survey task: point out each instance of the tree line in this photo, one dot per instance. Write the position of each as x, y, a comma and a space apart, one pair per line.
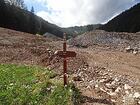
14, 15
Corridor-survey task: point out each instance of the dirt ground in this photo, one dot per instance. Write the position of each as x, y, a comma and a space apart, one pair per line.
120, 62
114, 62
97, 67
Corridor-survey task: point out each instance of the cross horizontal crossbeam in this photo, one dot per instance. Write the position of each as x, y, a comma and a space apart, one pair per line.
66, 54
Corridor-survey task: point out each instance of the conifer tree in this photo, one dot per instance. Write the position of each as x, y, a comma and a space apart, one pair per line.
32, 21
32, 10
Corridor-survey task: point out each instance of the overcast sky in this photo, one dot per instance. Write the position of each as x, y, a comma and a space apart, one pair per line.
66, 13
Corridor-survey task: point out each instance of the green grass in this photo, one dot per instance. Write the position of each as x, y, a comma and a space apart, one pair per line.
24, 85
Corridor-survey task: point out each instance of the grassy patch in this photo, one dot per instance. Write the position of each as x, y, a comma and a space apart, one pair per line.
24, 85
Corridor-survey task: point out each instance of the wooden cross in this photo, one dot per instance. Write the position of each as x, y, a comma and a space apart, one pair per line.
64, 54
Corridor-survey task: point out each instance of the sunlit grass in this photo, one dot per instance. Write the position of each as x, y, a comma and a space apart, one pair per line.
25, 85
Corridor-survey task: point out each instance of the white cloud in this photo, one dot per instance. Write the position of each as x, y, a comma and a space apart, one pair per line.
67, 13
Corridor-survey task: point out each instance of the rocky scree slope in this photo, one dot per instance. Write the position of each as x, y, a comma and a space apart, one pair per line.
109, 39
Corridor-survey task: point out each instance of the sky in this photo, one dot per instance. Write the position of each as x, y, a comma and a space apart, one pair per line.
67, 13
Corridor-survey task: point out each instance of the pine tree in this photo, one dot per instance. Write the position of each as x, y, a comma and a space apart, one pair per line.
32, 10
32, 21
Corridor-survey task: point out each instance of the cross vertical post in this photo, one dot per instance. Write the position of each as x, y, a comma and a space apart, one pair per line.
65, 59
64, 54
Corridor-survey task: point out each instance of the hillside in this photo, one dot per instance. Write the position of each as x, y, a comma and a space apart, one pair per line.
78, 30
24, 48
127, 21
22, 20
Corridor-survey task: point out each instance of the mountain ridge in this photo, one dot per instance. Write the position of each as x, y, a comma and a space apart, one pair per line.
127, 21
